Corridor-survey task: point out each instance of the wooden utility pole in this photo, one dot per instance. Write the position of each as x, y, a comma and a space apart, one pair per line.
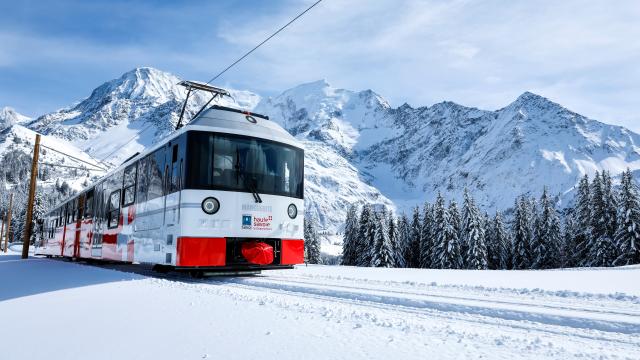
2, 231
6, 239
32, 194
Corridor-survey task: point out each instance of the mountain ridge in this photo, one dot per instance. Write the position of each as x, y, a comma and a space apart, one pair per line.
360, 149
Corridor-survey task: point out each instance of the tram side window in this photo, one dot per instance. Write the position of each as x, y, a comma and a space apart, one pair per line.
79, 211
88, 206
114, 209
129, 185
69, 213
143, 179
176, 171
156, 165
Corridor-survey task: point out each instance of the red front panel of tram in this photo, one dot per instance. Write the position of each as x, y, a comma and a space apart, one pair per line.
197, 251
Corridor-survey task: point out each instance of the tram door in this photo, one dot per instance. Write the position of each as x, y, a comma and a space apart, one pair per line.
171, 185
98, 221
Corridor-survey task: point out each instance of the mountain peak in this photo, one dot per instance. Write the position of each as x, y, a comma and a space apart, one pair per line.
9, 116
530, 98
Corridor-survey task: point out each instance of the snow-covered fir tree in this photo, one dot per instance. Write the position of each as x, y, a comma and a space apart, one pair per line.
311, 240
404, 239
383, 249
392, 227
521, 235
467, 208
473, 236
545, 246
627, 237
350, 238
611, 203
569, 237
426, 239
501, 240
416, 235
366, 230
601, 248
446, 254
582, 219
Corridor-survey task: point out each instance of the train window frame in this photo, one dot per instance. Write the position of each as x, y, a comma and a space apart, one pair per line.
69, 213
211, 137
128, 187
111, 211
79, 209
88, 204
175, 176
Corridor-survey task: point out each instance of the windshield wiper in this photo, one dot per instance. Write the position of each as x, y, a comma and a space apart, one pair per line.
250, 185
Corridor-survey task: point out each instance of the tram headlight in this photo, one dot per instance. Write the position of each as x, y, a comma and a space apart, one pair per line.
210, 205
292, 211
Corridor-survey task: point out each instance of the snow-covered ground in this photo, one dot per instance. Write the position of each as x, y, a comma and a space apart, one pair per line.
75, 311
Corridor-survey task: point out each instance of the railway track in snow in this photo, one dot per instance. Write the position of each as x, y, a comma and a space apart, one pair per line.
385, 303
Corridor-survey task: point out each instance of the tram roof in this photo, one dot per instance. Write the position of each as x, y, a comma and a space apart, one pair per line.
215, 119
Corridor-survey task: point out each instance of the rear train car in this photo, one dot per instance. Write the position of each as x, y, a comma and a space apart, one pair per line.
224, 192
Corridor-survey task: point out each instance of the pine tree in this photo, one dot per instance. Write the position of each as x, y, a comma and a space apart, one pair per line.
366, 229
502, 239
416, 235
312, 241
467, 208
601, 249
404, 238
521, 235
447, 248
627, 237
394, 239
582, 219
569, 241
426, 242
545, 246
383, 251
473, 236
39, 209
611, 205
350, 239
456, 223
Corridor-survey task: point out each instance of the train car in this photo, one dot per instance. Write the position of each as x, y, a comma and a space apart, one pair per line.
223, 193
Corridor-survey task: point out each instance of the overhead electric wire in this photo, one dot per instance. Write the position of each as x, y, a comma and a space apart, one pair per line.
264, 41
223, 71
128, 141
73, 157
65, 166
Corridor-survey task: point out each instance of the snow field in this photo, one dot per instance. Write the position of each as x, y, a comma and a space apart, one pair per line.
318, 312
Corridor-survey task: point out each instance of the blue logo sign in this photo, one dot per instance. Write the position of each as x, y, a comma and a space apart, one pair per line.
246, 221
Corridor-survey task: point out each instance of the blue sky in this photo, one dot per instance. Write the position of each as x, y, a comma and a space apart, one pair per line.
582, 54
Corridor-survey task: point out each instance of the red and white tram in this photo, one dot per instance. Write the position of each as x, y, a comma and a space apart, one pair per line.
224, 192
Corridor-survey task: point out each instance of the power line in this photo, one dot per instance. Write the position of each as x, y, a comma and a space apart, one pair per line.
125, 144
73, 157
101, 161
64, 166
265, 40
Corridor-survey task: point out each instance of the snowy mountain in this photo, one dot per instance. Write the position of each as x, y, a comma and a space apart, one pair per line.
8, 117
409, 154
359, 148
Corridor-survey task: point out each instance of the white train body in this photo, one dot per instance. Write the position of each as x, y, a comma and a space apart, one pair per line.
228, 182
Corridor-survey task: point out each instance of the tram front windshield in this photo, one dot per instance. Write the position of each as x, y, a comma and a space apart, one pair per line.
239, 163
